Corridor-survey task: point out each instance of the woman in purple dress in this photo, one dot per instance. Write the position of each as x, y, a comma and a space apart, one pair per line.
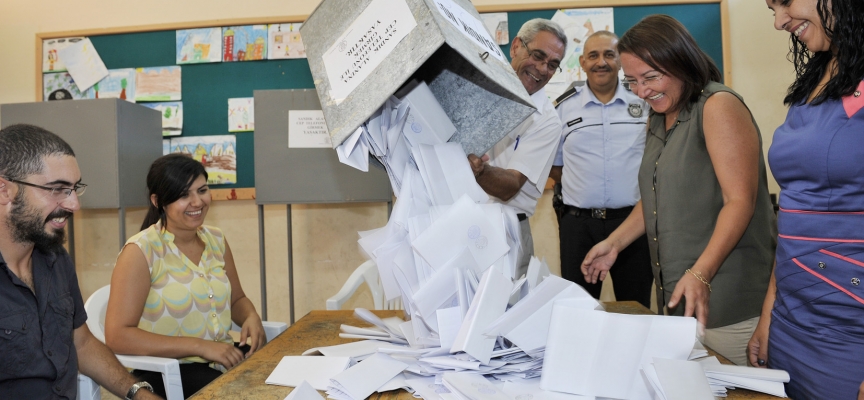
812, 321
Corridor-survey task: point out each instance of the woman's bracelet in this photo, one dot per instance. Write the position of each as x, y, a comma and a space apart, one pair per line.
699, 276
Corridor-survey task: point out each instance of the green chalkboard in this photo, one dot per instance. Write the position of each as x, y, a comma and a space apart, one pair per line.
207, 87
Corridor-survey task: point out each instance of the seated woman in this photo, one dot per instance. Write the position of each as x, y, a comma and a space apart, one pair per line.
175, 290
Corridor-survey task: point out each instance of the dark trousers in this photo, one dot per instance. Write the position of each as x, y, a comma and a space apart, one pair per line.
631, 273
194, 377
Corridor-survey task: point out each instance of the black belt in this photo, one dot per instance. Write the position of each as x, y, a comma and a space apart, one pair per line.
599, 213
521, 217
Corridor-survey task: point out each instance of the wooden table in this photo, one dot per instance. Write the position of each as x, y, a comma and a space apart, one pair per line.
321, 328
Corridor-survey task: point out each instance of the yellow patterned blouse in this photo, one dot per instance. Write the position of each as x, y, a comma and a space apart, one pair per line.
186, 299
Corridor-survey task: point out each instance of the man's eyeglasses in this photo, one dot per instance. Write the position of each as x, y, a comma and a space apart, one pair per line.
647, 80
57, 193
541, 58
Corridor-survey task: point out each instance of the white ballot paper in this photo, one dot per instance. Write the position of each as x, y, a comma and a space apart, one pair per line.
524, 389
472, 387
526, 324
304, 392
463, 224
354, 350
758, 379
427, 122
363, 379
596, 353
365, 44
489, 303
293, 370
682, 380
354, 151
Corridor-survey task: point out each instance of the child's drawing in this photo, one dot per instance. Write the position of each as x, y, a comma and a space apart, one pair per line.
158, 84
244, 43
119, 84
496, 24
83, 63
241, 114
50, 59
217, 153
285, 42
202, 45
172, 116
60, 86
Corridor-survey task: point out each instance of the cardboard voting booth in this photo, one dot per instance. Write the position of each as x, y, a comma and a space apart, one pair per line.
361, 52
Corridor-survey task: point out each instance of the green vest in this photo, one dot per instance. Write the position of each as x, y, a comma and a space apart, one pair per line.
681, 199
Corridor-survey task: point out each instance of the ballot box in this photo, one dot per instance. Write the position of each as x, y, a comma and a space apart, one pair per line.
361, 52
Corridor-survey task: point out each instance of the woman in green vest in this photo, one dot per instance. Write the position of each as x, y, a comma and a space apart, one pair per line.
705, 204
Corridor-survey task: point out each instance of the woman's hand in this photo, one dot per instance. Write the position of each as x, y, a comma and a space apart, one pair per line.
220, 352
599, 261
252, 333
757, 348
696, 295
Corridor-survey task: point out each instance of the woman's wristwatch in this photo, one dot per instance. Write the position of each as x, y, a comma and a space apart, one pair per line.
136, 387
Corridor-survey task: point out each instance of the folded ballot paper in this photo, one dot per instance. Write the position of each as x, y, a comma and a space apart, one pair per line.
595, 353
364, 378
294, 370
763, 380
304, 391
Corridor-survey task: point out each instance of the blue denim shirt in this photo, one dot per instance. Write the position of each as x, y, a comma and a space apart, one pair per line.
36, 330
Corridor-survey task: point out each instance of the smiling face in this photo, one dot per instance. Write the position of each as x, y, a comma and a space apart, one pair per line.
800, 18
36, 216
662, 92
188, 212
600, 61
535, 74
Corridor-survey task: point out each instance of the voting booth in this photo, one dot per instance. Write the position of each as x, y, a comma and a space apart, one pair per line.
362, 52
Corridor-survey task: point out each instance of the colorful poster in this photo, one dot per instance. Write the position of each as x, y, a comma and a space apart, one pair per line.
172, 116
60, 86
83, 63
119, 84
285, 42
158, 84
241, 114
202, 45
244, 43
217, 153
496, 24
50, 57
307, 129
578, 24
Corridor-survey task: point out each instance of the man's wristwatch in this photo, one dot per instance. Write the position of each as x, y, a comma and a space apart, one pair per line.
136, 387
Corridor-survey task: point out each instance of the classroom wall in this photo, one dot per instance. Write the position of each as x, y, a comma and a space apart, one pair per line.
325, 250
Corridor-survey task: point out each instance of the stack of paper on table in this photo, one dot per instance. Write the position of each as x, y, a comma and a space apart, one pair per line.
304, 392
677, 380
757, 379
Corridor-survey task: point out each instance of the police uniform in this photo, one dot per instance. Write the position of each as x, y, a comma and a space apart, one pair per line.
600, 151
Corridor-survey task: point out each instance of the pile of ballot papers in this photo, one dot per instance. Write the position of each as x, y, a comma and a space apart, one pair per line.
473, 329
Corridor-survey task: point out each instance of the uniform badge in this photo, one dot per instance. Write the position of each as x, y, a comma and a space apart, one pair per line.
635, 110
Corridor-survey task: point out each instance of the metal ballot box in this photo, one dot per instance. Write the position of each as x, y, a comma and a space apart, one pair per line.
362, 51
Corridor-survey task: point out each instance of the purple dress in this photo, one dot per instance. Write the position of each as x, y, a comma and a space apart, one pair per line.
817, 324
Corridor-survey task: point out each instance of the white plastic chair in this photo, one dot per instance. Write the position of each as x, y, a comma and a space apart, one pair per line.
168, 367
366, 272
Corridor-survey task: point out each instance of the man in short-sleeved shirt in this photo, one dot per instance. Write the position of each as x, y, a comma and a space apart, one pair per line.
597, 163
42, 321
515, 170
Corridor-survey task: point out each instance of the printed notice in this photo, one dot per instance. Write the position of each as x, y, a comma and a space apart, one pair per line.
366, 43
470, 26
307, 130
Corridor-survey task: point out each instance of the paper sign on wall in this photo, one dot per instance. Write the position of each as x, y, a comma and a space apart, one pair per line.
365, 44
470, 26
307, 129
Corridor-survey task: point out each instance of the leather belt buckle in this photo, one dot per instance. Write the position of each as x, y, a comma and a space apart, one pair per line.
598, 213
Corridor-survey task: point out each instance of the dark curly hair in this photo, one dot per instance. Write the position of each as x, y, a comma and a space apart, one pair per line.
843, 22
